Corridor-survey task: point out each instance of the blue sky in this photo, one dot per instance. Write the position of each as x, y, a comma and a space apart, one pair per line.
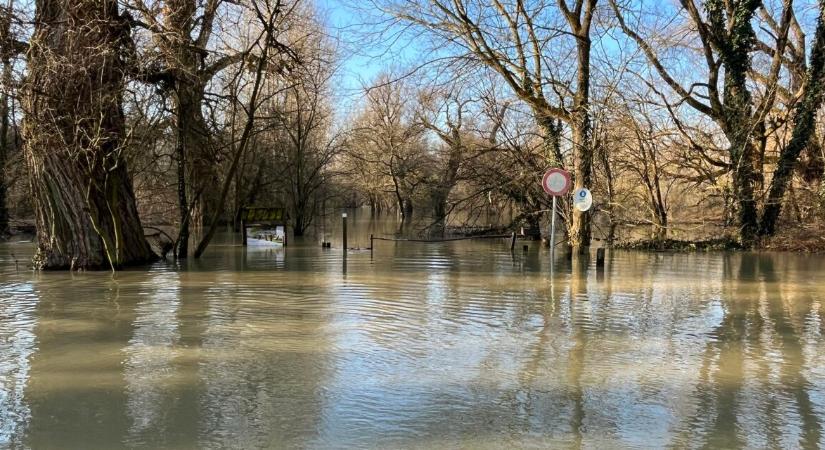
360, 62
355, 67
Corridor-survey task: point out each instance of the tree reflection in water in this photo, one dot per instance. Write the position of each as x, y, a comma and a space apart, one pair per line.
461, 344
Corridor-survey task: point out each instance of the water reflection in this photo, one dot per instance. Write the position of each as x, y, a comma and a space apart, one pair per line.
263, 361
149, 361
76, 389
17, 343
450, 345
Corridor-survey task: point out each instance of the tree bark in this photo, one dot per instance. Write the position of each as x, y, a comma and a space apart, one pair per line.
803, 129
580, 228
199, 155
182, 249
733, 33
4, 144
73, 131
186, 76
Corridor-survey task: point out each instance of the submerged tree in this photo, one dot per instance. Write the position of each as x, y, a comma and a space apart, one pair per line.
387, 144
525, 44
73, 132
180, 61
300, 116
727, 41
803, 128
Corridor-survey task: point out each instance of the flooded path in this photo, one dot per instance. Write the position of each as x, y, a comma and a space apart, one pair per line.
421, 346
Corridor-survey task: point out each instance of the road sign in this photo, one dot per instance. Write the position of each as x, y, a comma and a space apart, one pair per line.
582, 199
556, 182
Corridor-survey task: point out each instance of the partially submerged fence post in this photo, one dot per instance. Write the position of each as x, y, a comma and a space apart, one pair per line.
372, 243
513, 241
600, 258
344, 222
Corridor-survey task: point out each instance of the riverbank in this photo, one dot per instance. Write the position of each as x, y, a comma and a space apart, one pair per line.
799, 239
795, 239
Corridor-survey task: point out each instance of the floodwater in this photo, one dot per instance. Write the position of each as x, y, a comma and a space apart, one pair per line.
455, 345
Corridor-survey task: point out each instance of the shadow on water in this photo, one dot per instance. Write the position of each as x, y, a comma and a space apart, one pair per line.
461, 344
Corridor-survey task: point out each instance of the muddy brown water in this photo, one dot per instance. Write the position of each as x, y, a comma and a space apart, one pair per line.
458, 345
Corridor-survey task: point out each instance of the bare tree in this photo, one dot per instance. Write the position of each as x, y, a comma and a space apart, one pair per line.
803, 127
73, 131
183, 58
303, 143
388, 143
445, 112
526, 44
268, 54
727, 40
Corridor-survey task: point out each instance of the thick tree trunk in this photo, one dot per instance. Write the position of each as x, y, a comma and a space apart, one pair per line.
551, 142
84, 205
449, 177
439, 198
580, 227
803, 130
196, 158
407, 209
5, 143
582, 146
743, 190
731, 24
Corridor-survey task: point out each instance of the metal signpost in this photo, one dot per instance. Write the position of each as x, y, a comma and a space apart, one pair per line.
556, 182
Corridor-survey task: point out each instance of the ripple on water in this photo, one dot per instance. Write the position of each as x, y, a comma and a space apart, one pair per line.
457, 345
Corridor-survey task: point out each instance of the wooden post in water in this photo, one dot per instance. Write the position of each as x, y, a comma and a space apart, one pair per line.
344, 222
513, 241
600, 259
243, 230
372, 244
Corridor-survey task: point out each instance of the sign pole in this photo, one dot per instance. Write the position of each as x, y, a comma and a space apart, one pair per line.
555, 182
553, 233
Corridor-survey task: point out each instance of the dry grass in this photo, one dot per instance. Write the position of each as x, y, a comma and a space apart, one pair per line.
801, 238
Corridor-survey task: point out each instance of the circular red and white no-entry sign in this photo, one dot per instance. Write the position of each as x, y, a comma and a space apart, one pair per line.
556, 182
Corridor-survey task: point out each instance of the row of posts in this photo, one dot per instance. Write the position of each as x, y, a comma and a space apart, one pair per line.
600, 252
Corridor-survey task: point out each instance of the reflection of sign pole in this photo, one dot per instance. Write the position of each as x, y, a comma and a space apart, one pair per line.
555, 182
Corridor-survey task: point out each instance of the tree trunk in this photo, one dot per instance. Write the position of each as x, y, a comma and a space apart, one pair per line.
580, 227
407, 209
743, 190
551, 142
84, 204
197, 162
182, 249
582, 146
803, 130
201, 159
731, 24
4, 145
439, 198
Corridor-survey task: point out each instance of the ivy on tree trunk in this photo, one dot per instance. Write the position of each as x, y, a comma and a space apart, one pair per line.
73, 131
804, 117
